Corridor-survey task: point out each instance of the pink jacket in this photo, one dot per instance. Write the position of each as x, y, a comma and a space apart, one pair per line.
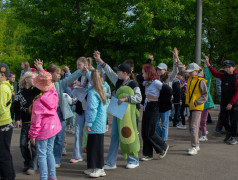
45, 122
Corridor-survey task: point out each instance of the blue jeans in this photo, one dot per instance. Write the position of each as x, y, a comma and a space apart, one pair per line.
79, 124
163, 130
30, 157
59, 139
113, 149
46, 158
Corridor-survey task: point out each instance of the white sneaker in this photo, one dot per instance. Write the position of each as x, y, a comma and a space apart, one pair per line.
107, 167
88, 171
197, 148
102, 172
192, 151
57, 165
95, 173
132, 166
180, 126
146, 158
203, 138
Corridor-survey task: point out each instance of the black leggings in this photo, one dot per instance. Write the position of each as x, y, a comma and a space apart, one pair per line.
150, 138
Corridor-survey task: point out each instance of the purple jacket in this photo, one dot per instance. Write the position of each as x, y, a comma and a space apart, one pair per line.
45, 122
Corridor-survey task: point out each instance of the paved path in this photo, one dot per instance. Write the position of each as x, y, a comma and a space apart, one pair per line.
215, 160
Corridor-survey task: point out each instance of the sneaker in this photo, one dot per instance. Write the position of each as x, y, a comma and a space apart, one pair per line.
75, 160
203, 138
88, 171
57, 165
231, 141
95, 173
197, 148
132, 166
102, 173
107, 167
146, 158
219, 131
163, 154
30, 172
228, 136
192, 151
180, 126
64, 153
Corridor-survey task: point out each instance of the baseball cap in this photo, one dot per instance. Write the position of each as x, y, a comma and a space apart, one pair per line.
4, 69
162, 66
124, 68
229, 63
193, 67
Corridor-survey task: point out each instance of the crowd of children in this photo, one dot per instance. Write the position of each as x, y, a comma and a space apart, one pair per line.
43, 105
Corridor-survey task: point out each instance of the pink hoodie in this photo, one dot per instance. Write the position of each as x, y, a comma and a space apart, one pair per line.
45, 122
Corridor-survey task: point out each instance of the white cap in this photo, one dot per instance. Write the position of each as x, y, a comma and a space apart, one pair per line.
162, 66
193, 67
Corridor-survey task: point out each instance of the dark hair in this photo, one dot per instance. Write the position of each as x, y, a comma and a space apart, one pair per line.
52, 68
12, 74
130, 62
164, 77
150, 71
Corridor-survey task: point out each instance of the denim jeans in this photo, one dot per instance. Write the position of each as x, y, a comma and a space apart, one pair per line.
59, 139
79, 125
113, 149
46, 158
6, 165
163, 130
30, 156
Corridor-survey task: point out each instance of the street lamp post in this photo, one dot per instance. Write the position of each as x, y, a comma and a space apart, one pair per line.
198, 32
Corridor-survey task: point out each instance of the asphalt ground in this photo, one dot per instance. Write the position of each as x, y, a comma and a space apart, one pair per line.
215, 160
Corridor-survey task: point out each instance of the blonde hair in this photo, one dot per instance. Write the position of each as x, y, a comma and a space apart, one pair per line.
98, 84
22, 82
87, 61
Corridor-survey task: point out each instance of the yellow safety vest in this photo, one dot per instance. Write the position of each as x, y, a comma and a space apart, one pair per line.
194, 93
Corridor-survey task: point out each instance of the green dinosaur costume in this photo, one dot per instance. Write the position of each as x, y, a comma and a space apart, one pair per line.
128, 136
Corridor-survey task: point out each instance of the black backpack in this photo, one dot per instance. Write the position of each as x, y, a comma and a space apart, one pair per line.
165, 103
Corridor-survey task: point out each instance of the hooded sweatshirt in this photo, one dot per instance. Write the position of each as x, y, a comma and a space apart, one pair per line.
5, 103
45, 122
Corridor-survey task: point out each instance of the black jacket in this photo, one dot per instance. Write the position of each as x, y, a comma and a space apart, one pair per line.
24, 99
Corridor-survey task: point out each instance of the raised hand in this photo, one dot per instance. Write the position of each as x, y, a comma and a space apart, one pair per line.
97, 57
151, 57
207, 61
38, 64
175, 55
66, 69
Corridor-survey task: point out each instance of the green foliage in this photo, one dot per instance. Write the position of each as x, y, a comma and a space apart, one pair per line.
61, 31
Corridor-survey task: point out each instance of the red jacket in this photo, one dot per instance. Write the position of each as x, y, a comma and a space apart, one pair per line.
219, 75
